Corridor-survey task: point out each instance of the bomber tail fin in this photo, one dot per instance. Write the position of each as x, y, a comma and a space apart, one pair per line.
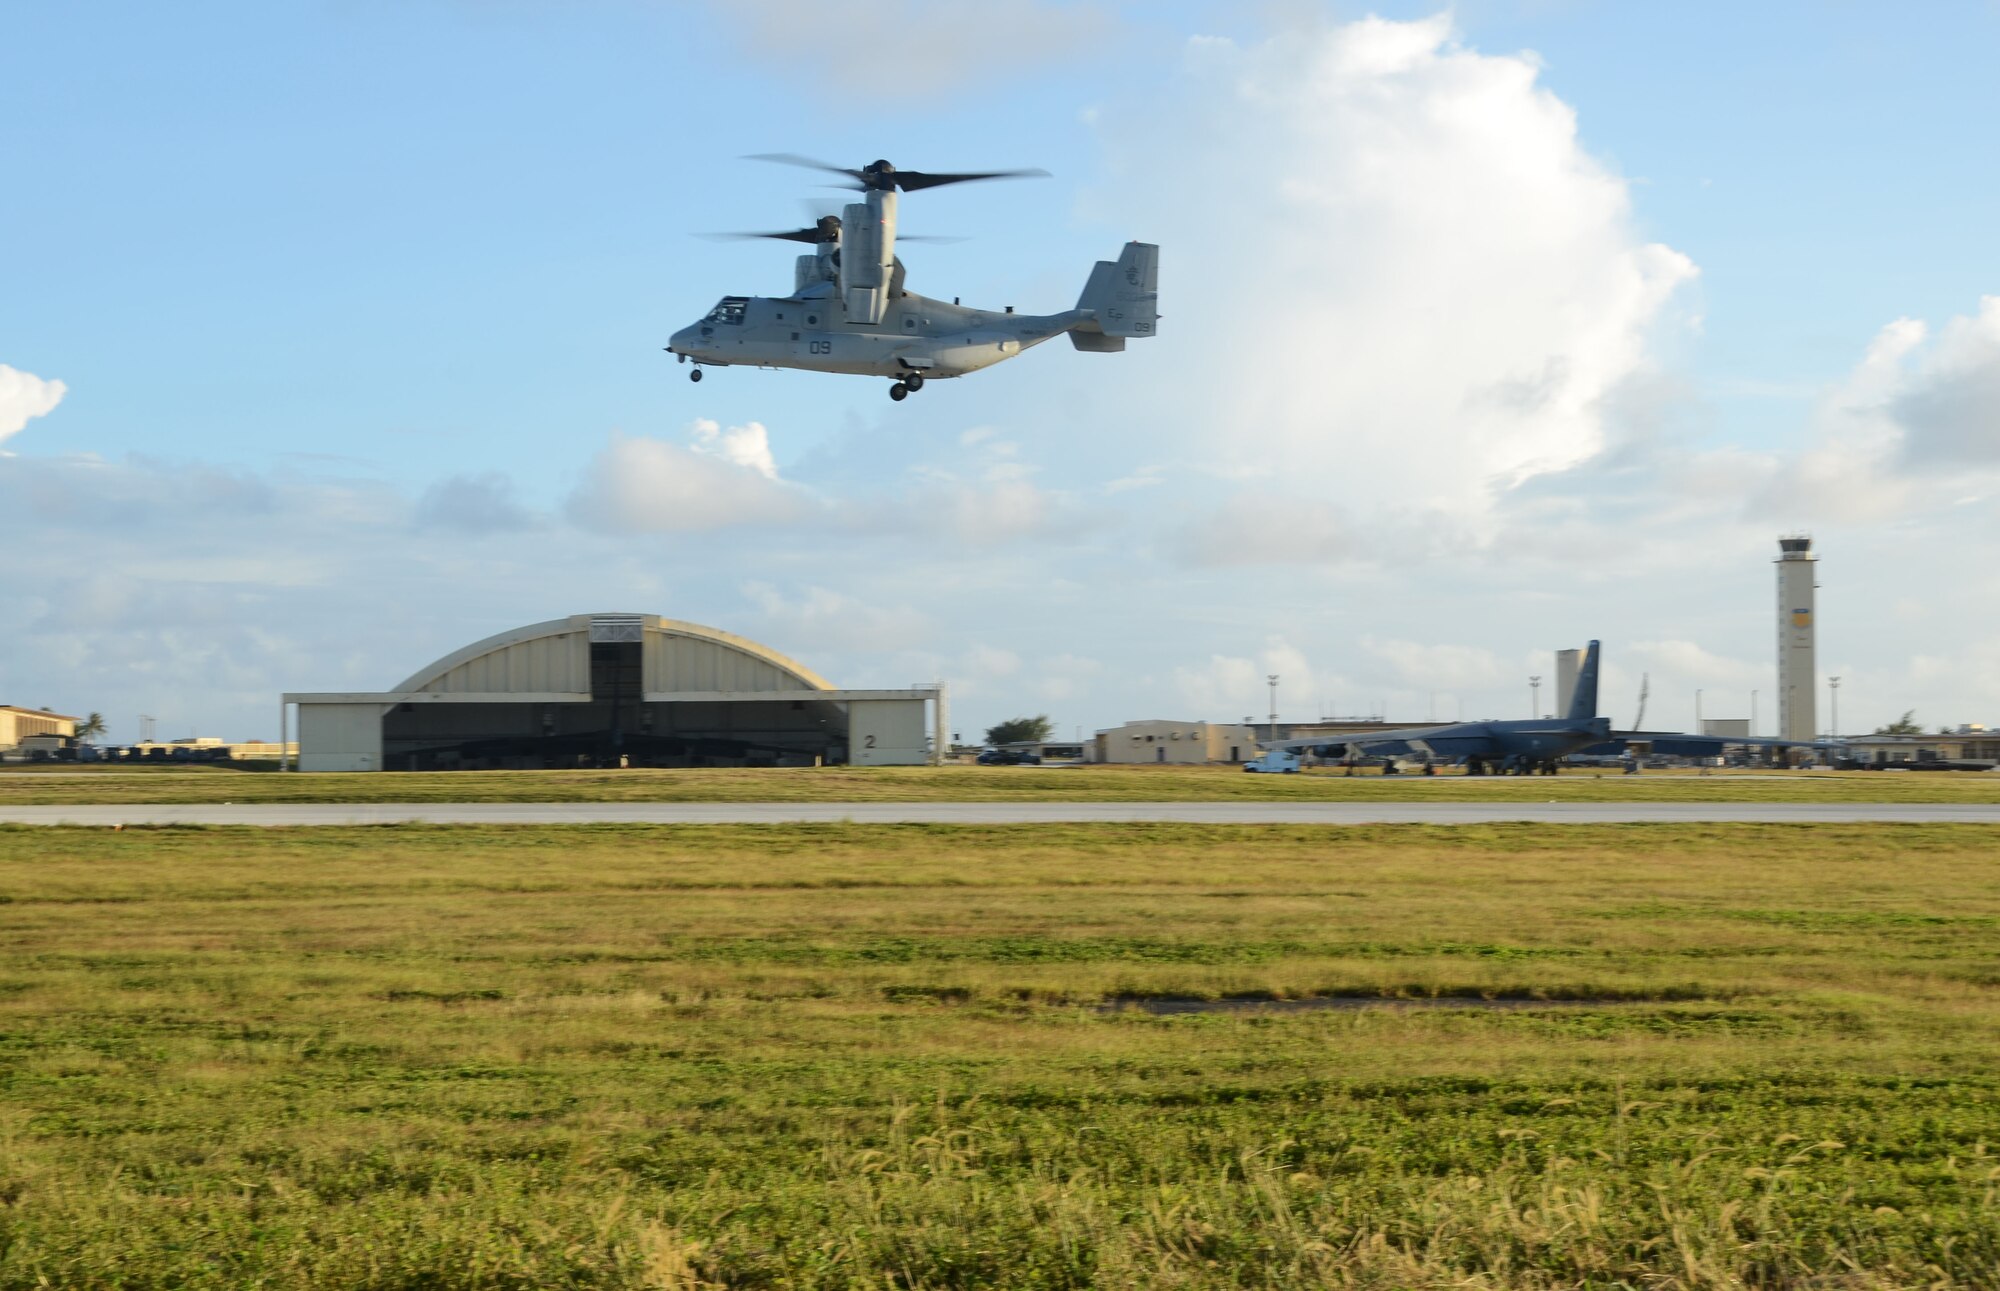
1583, 703
1123, 297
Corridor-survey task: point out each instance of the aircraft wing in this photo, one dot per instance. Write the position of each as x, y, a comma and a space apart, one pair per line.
1342, 743
1684, 745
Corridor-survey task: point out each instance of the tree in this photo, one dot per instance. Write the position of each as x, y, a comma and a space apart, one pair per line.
90, 727
1904, 725
1021, 730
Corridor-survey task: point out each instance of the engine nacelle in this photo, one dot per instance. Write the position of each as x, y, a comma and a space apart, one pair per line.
867, 256
814, 269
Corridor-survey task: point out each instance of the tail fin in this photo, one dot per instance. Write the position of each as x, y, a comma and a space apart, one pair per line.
1124, 296
1583, 703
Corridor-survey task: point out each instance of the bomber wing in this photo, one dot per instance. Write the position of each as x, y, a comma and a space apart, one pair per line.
1344, 743
1681, 744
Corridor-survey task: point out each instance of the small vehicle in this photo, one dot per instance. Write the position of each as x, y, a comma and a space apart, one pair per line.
1008, 758
1274, 762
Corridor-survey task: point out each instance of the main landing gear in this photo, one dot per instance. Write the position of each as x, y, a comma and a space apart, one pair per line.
908, 386
695, 375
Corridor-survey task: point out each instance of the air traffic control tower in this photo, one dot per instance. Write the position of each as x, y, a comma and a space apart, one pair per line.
1797, 669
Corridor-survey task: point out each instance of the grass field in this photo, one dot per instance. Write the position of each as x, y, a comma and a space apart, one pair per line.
77, 785
840, 1056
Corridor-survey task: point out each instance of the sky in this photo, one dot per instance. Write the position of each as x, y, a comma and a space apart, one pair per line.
330, 342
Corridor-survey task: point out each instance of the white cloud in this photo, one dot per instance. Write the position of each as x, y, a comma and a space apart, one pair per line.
1690, 662
23, 397
990, 500
1438, 667
1950, 407
1145, 477
1064, 678
1222, 685
991, 661
478, 503
819, 619
983, 514
1408, 285
1915, 427
1228, 687
748, 446
1268, 528
721, 479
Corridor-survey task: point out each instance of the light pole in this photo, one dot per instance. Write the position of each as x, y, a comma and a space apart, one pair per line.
1833, 684
1273, 679
1534, 696
1753, 712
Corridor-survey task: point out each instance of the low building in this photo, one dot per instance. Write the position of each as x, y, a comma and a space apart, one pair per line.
1968, 745
1174, 743
19, 724
202, 748
610, 690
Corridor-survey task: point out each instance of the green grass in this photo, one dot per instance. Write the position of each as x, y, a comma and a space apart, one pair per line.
845, 1056
100, 784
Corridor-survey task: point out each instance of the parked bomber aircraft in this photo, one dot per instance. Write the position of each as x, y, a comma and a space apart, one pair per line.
849, 311
1525, 747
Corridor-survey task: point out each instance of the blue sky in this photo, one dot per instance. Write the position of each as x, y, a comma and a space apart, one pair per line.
357, 311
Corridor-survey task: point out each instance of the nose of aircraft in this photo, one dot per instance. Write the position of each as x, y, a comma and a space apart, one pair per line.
686, 341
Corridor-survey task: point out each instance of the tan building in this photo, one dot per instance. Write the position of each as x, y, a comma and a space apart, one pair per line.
1968, 744
205, 747
1176, 743
17, 724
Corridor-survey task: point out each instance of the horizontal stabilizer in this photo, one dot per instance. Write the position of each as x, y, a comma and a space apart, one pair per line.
1097, 342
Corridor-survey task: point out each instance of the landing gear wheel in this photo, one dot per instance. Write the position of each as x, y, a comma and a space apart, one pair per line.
695, 375
914, 382
899, 392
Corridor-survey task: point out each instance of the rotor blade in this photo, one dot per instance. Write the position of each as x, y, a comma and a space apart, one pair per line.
912, 180
793, 159
788, 235
814, 235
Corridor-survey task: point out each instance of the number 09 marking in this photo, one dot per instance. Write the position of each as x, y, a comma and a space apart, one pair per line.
819, 347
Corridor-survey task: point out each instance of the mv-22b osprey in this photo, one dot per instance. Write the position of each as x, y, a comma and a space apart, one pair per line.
849, 312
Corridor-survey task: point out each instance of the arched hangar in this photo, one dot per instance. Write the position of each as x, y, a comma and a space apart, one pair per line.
611, 690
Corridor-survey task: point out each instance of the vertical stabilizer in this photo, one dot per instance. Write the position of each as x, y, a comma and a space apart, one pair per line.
1583, 703
1124, 294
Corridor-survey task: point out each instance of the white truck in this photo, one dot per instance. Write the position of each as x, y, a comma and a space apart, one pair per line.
1274, 762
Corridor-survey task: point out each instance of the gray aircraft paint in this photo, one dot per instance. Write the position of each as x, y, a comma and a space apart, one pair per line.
850, 313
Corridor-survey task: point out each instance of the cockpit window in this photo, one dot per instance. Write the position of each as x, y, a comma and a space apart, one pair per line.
730, 310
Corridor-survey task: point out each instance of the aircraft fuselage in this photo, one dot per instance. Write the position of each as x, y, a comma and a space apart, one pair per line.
916, 335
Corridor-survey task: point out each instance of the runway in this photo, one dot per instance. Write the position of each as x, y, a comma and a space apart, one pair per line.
1002, 813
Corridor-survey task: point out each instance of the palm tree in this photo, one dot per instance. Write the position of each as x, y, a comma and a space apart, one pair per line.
90, 727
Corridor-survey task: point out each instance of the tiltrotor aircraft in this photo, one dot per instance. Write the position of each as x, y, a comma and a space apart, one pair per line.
849, 312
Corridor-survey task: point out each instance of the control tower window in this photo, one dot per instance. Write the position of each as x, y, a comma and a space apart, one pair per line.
730, 310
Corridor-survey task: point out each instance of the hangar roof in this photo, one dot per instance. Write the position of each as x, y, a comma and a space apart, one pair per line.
554, 656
